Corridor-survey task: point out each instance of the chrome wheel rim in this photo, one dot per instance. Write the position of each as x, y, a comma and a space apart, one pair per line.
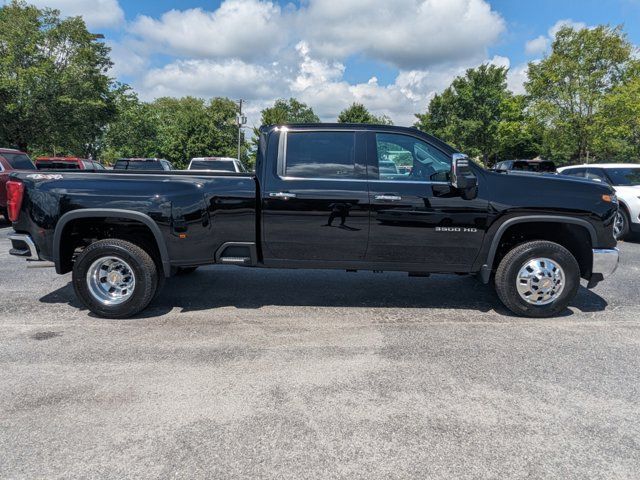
618, 225
540, 281
111, 281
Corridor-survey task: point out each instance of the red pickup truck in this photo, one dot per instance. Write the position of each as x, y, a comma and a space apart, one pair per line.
10, 161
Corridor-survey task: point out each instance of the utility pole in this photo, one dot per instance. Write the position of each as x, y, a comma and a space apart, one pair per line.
241, 121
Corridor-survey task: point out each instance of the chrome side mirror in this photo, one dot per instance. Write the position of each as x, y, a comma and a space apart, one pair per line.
462, 176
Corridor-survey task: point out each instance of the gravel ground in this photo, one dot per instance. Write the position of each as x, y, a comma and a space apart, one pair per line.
238, 373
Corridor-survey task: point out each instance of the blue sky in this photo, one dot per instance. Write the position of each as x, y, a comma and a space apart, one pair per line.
391, 55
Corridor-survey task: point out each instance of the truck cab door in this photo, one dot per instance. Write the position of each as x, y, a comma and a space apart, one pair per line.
315, 199
418, 219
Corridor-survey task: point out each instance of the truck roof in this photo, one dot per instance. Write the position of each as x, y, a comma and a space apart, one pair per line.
60, 159
360, 126
604, 165
10, 150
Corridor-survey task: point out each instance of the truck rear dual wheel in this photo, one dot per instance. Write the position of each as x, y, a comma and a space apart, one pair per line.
537, 279
115, 278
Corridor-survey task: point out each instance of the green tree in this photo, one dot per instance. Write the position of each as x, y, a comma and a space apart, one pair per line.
469, 112
288, 111
285, 112
518, 134
190, 127
55, 94
222, 113
567, 88
134, 130
617, 124
358, 113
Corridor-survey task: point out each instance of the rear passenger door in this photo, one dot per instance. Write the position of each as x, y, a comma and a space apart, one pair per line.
315, 200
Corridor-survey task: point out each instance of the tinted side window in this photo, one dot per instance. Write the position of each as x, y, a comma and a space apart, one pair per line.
321, 155
575, 172
405, 158
596, 174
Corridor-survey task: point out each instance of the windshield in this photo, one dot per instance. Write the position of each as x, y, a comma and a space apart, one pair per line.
19, 161
219, 165
534, 166
624, 177
58, 165
137, 165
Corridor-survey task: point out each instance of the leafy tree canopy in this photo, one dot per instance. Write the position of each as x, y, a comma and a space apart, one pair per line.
469, 113
177, 129
567, 88
358, 113
288, 111
55, 93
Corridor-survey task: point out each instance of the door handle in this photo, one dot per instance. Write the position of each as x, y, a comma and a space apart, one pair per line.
388, 198
283, 195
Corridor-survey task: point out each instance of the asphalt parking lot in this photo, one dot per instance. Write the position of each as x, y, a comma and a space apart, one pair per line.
237, 373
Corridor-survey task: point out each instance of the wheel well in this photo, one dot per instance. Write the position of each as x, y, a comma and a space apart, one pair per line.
574, 238
81, 232
623, 206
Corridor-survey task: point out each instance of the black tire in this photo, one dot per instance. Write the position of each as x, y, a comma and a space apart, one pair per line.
507, 276
185, 270
144, 269
626, 224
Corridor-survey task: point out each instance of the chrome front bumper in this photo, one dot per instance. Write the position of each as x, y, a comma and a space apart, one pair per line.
23, 246
605, 261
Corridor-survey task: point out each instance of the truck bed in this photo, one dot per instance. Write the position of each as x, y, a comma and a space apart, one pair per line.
207, 209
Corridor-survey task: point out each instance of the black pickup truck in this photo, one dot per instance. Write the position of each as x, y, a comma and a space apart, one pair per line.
348, 197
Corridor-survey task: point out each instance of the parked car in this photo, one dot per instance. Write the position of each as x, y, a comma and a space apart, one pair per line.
317, 200
546, 166
216, 164
151, 164
10, 161
625, 180
67, 163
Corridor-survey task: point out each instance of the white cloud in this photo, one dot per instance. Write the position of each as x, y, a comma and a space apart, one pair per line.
404, 33
127, 61
208, 78
516, 78
96, 13
537, 46
238, 29
257, 50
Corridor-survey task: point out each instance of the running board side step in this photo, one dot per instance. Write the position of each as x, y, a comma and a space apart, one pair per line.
236, 260
237, 253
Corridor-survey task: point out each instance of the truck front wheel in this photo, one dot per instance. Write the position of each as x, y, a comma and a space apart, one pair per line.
115, 278
537, 279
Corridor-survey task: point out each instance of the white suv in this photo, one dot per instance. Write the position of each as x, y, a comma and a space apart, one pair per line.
625, 179
216, 164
